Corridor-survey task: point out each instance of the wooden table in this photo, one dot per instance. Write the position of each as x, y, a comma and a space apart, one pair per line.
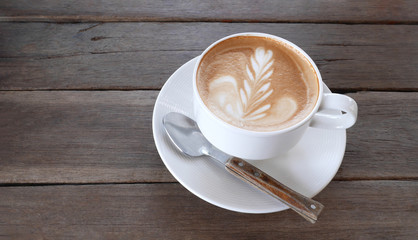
78, 81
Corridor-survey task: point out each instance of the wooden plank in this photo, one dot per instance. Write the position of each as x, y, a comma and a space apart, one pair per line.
353, 210
106, 136
70, 137
385, 136
132, 56
391, 11
110, 71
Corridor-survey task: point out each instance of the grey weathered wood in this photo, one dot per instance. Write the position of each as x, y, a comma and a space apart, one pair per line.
237, 10
59, 137
66, 137
385, 136
353, 210
110, 71
143, 55
106, 136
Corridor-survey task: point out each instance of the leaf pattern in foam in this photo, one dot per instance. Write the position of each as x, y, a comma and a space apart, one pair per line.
247, 103
259, 86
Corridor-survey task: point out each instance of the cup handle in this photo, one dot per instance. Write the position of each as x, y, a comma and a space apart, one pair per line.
336, 111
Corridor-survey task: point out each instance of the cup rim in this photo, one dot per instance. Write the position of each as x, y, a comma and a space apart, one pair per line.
252, 132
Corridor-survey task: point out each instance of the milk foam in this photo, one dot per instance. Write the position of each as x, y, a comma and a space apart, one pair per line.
255, 86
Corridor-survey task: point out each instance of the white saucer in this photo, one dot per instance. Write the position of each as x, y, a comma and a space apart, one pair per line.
307, 168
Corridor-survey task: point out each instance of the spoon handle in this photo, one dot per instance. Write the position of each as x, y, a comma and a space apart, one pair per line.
308, 208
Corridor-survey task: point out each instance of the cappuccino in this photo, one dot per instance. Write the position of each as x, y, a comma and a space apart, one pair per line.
257, 83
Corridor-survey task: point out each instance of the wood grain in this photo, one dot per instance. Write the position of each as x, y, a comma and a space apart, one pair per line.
78, 82
105, 136
70, 137
390, 11
354, 210
385, 136
36, 56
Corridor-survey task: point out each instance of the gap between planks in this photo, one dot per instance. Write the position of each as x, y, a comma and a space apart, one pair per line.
95, 19
125, 89
102, 20
2, 185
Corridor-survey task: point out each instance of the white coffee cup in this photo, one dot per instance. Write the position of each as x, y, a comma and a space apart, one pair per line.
255, 145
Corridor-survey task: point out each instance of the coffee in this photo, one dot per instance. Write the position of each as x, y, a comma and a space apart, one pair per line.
257, 83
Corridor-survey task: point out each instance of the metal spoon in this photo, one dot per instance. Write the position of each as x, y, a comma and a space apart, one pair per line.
186, 136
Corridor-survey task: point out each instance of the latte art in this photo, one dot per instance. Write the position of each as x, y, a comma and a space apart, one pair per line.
247, 103
256, 84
